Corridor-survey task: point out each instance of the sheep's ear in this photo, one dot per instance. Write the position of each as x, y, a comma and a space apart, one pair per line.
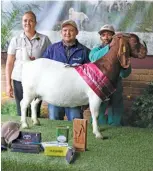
138, 47
124, 52
142, 50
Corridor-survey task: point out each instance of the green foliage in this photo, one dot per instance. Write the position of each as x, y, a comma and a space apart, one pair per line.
138, 17
8, 23
146, 23
142, 109
9, 108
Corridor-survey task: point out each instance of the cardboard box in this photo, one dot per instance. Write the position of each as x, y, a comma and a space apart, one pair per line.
27, 142
62, 133
80, 134
55, 148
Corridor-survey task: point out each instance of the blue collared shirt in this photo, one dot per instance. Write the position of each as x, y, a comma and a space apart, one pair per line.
78, 53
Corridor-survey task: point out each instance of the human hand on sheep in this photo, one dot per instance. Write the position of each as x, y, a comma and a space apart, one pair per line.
32, 58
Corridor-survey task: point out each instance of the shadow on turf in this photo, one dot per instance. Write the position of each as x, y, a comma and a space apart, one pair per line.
104, 129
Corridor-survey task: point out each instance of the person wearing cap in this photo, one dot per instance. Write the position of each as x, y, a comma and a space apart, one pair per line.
71, 52
110, 111
35, 44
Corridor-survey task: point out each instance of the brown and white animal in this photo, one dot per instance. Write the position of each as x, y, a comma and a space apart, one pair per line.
51, 81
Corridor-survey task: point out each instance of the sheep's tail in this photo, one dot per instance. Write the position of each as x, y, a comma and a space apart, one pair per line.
25, 56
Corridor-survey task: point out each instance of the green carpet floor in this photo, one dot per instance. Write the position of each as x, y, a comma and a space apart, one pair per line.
124, 149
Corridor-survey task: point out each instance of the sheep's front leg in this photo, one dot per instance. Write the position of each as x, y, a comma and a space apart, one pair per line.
24, 105
34, 105
94, 108
95, 124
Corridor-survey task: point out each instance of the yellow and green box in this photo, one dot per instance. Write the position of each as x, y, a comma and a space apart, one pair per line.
56, 150
62, 133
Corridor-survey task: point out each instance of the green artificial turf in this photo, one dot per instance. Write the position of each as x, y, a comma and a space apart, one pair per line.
123, 149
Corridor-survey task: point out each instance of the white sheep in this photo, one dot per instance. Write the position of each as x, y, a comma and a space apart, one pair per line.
54, 83
50, 81
78, 17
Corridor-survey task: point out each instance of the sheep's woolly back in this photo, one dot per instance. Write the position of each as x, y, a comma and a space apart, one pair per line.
55, 83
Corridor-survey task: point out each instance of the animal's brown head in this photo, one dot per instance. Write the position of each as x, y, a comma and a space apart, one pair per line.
129, 45
138, 48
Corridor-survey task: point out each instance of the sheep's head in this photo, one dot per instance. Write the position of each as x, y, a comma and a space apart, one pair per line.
138, 47
128, 45
71, 10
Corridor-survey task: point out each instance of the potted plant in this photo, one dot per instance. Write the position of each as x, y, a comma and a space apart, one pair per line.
142, 109
8, 23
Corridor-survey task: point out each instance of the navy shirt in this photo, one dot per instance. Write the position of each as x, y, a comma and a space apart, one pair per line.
78, 53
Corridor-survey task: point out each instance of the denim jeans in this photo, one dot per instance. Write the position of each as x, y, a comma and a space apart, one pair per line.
58, 113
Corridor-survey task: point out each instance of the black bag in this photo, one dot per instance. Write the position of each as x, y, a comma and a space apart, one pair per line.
27, 142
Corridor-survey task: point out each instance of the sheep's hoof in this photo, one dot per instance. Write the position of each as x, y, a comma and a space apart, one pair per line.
24, 125
99, 136
36, 122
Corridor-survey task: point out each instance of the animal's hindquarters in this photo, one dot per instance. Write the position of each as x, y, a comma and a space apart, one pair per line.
55, 83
